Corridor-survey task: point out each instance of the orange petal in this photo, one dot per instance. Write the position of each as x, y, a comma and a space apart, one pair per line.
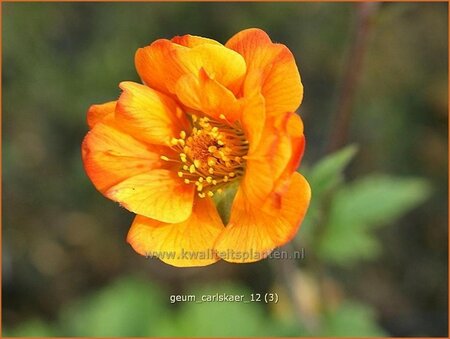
252, 119
111, 156
158, 194
221, 64
275, 158
193, 40
253, 232
98, 113
188, 243
148, 115
204, 94
294, 129
270, 68
161, 64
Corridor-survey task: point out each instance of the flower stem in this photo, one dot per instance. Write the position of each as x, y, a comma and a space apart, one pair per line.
365, 12
286, 272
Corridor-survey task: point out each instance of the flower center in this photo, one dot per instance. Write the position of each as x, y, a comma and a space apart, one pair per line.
212, 156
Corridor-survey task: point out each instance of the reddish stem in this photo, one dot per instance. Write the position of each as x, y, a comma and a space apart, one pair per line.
365, 11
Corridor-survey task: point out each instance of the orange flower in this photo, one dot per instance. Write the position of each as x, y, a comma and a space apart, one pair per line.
207, 116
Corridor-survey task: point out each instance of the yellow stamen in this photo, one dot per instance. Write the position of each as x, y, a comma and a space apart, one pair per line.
212, 161
212, 155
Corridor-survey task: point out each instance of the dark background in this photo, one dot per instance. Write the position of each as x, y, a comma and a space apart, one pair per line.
63, 246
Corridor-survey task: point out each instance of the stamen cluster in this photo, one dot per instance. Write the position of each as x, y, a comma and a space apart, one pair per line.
212, 156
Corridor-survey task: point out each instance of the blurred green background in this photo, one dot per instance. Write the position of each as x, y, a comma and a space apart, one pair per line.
375, 238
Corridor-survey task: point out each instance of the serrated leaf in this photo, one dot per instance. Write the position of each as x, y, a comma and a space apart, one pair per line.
356, 208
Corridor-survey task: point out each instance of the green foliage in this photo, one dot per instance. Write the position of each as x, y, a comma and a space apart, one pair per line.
352, 319
31, 328
342, 216
219, 319
358, 207
128, 307
132, 308
323, 177
328, 172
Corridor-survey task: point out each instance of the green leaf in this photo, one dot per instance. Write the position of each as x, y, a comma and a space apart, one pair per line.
352, 319
328, 172
127, 308
323, 177
376, 200
356, 208
345, 246
31, 328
